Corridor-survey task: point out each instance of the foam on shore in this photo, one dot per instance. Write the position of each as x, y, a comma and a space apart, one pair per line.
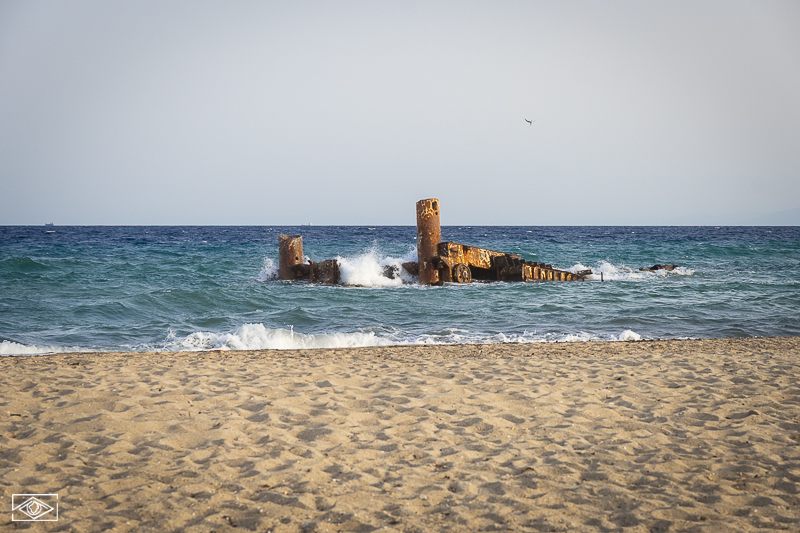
259, 337
15, 348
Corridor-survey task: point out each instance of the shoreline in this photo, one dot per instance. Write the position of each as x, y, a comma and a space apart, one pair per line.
565, 436
304, 351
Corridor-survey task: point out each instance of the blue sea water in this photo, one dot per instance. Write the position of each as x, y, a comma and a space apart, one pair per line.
201, 288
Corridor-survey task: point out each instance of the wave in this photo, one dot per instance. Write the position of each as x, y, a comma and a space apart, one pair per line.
259, 337
624, 273
23, 264
269, 271
466, 337
365, 270
15, 348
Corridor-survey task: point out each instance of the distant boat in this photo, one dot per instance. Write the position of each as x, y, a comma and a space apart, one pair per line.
49, 224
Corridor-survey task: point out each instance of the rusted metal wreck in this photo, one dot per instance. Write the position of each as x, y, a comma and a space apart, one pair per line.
437, 262
450, 262
291, 266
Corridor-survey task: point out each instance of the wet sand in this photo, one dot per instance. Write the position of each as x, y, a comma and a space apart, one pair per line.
634, 436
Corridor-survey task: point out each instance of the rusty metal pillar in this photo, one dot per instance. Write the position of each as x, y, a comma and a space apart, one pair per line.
429, 235
290, 253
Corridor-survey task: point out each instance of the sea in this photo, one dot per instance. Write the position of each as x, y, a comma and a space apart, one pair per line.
179, 288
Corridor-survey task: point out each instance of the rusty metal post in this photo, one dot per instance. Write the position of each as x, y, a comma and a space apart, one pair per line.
290, 253
429, 235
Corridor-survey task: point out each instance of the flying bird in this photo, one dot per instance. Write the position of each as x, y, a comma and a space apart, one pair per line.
530, 121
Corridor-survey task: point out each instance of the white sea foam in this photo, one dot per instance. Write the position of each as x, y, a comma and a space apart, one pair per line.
629, 335
366, 270
259, 337
581, 336
269, 271
15, 348
624, 273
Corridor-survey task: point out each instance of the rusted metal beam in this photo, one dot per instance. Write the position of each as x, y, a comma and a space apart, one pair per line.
453, 252
290, 253
429, 235
492, 265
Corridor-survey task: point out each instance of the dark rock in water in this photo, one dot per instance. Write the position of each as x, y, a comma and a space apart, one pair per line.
391, 271
659, 267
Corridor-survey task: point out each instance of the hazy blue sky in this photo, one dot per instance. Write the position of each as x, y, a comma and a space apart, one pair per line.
349, 112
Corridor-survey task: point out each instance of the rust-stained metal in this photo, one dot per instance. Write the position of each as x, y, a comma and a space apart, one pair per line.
291, 266
453, 252
490, 265
429, 235
325, 272
290, 253
461, 273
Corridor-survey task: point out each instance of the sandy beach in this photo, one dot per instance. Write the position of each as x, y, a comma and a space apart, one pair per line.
698, 435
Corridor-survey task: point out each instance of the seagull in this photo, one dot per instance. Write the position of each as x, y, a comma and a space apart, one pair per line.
530, 121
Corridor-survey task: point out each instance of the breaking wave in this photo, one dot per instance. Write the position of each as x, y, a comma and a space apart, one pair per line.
625, 273
269, 271
15, 348
367, 270
259, 337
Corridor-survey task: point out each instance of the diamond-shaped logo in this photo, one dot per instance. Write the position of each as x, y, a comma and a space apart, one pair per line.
34, 507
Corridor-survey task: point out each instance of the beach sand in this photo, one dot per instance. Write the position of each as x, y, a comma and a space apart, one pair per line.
693, 435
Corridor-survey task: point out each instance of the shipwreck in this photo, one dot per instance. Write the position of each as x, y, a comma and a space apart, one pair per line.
437, 262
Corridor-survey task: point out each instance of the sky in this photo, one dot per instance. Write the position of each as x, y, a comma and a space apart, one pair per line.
347, 113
